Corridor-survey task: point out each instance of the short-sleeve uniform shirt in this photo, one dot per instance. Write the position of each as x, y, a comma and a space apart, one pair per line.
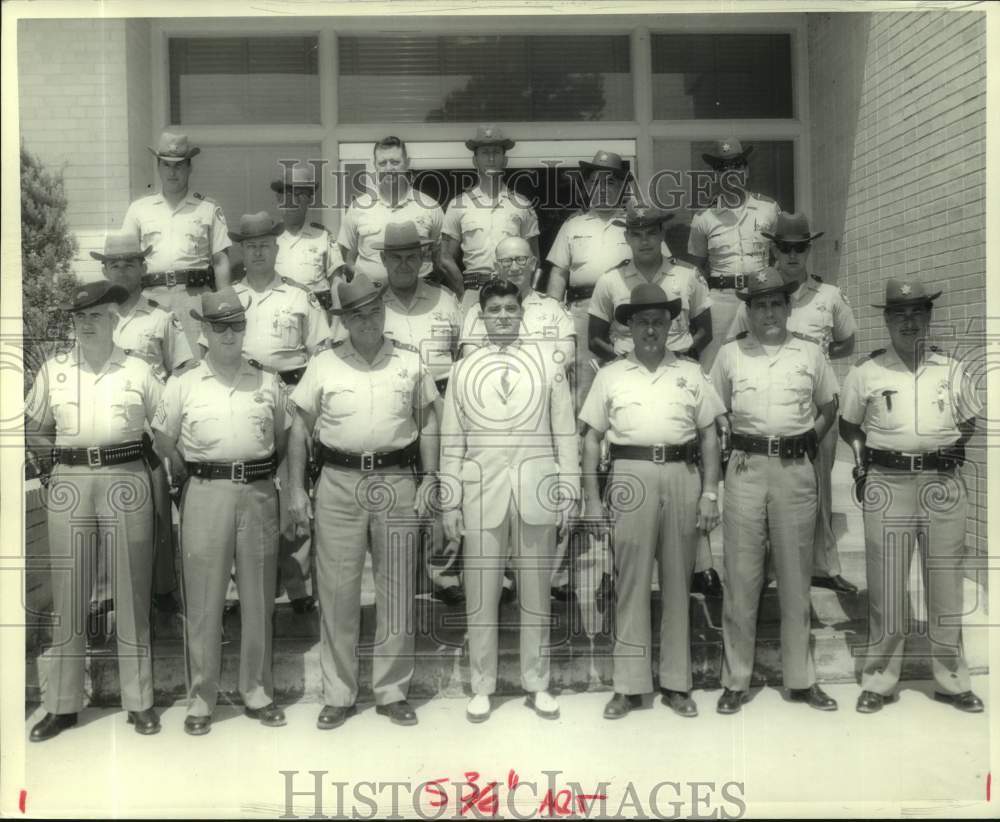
588, 244
361, 406
309, 256
731, 239
183, 237
900, 410
431, 324
678, 280
479, 224
155, 334
637, 406
772, 394
86, 409
365, 222
213, 421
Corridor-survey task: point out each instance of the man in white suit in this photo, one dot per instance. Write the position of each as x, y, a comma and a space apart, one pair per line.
510, 475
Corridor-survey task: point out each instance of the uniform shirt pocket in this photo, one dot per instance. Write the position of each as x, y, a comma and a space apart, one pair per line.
151, 233
624, 413
128, 409
205, 424
285, 328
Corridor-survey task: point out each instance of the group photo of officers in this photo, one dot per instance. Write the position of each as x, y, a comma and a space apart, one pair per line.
403, 390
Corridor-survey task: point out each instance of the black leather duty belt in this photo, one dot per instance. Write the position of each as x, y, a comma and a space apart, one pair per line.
687, 452
239, 471
477, 279
182, 276
324, 298
97, 456
784, 447
293, 375
370, 460
929, 461
727, 281
579, 292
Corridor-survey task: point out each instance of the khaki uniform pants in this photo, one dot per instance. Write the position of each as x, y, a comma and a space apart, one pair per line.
826, 559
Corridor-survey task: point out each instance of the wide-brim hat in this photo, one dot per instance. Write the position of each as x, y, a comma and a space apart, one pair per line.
223, 306
300, 175
644, 297
120, 246
766, 281
792, 228
911, 291
605, 161
98, 292
174, 148
726, 151
639, 216
260, 224
490, 136
358, 293
402, 236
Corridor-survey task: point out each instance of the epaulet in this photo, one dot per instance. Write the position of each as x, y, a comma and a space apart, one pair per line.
255, 364
199, 196
683, 355
154, 303
185, 366
320, 226
764, 198
405, 346
742, 335
618, 358
816, 277
682, 263
800, 336
622, 264
335, 344
132, 353
872, 356
296, 283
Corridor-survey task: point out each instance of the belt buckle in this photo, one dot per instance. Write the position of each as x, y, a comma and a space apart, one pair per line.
774, 446
238, 471
659, 454
917, 462
170, 278
368, 461
739, 281
94, 457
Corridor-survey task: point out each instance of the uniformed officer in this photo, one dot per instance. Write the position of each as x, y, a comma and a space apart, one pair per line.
426, 317
373, 403
658, 411
96, 400
307, 252
393, 200
187, 232
230, 421
479, 218
510, 463
819, 311
726, 238
770, 381
688, 334
908, 412
155, 334
285, 327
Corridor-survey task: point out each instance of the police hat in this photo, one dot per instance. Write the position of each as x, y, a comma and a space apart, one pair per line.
222, 306
726, 151
910, 291
638, 216
643, 297
87, 295
766, 281
121, 246
356, 294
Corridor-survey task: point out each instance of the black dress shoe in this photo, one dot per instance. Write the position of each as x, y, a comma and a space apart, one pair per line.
452, 595
680, 702
52, 725
620, 704
146, 722
303, 605
834, 583
870, 702
232, 606
605, 596
965, 701
197, 725
814, 697
731, 701
707, 583
166, 603
333, 716
399, 713
561, 593
270, 715
508, 596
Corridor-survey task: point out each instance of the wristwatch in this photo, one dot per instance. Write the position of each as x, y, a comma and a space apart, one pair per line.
710, 495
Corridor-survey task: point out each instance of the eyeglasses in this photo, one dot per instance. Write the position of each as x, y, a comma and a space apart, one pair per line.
798, 248
511, 260
220, 328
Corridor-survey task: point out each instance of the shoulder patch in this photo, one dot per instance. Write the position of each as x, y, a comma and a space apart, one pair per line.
877, 352
255, 364
405, 346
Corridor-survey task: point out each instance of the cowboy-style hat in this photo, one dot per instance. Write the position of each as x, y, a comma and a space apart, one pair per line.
300, 175
906, 292
222, 306
792, 228
256, 225
401, 236
490, 136
121, 246
640, 216
766, 281
98, 292
726, 151
356, 294
643, 297
605, 161
174, 148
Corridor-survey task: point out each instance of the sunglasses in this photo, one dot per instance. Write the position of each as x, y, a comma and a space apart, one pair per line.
513, 260
798, 248
731, 165
220, 328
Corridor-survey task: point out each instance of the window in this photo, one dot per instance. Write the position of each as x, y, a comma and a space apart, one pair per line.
722, 76
222, 80
422, 79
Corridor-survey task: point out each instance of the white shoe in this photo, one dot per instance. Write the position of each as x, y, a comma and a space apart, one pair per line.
479, 708
544, 704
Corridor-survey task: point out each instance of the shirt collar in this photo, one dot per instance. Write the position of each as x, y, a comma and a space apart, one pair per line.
422, 294
669, 360
348, 351
477, 193
245, 369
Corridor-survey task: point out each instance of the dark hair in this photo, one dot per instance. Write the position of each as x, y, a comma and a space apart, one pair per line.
390, 142
498, 287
